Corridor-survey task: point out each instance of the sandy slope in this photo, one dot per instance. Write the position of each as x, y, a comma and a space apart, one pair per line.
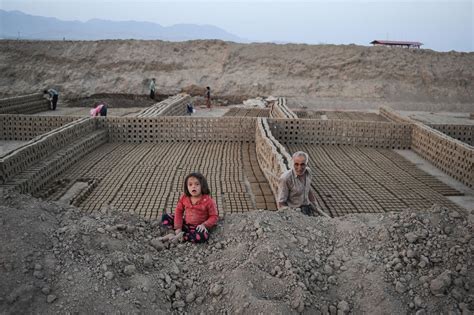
317, 71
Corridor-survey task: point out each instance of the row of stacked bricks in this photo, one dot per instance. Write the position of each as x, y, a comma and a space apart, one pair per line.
27, 104
281, 110
173, 106
40, 175
247, 112
260, 188
174, 129
391, 115
269, 155
341, 132
463, 133
25, 128
30, 167
340, 115
18, 160
453, 157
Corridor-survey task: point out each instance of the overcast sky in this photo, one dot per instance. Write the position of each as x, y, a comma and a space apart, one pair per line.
439, 25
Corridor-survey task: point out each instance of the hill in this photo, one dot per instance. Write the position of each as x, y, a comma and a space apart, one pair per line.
311, 71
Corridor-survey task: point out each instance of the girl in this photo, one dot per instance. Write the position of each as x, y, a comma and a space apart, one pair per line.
195, 213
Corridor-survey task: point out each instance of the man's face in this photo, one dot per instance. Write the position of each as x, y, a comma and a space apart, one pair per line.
299, 164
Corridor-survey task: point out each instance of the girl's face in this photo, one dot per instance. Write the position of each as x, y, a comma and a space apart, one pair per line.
194, 187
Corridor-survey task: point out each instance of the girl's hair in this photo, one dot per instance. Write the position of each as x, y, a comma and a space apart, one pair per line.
202, 180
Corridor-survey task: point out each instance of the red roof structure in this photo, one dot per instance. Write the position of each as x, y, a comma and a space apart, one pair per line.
396, 43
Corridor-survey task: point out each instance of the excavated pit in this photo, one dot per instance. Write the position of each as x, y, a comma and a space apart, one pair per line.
136, 163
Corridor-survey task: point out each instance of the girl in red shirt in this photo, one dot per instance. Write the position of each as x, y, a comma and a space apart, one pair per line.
195, 213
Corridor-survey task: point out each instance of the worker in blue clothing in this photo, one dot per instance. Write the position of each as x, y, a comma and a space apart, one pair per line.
52, 95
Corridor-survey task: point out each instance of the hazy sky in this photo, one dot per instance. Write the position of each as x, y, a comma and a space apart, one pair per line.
440, 25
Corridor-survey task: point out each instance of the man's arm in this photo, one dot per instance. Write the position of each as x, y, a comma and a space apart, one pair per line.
311, 196
283, 193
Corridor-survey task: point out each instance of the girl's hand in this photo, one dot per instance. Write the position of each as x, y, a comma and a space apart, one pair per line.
178, 237
176, 232
201, 228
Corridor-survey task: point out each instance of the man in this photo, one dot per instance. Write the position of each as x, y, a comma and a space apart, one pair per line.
189, 109
52, 96
294, 189
208, 97
152, 88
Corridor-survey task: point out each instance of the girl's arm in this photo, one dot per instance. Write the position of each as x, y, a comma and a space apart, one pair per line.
213, 214
178, 214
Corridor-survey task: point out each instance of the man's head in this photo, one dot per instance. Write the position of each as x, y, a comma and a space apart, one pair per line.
300, 161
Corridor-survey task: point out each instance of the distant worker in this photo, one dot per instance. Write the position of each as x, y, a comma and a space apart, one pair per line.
294, 189
208, 97
190, 109
52, 95
152, 88
99, 110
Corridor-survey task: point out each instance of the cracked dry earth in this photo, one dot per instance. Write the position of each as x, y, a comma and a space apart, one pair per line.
55, 258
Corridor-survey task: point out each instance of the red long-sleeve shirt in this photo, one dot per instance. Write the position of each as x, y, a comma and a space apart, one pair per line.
203, 212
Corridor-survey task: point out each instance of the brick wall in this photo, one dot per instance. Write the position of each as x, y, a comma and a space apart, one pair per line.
24, 128
452, 156
172, 106
25, 104
280, 110
169, 129
272, 157
39, 148
391, 115
463, 133
342, 132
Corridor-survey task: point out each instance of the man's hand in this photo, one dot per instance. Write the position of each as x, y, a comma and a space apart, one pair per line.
201, 228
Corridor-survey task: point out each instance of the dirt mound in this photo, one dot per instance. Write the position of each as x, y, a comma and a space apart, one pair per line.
194, 90
54, 257
84, 68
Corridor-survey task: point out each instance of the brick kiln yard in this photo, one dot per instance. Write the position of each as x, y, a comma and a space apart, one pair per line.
408, 249
139, 162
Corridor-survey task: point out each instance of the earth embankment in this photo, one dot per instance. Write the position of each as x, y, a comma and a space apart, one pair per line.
79, 68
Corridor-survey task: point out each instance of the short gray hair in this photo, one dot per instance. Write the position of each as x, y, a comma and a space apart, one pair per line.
301, 153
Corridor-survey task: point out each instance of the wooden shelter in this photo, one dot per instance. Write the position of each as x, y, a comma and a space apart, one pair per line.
396, 43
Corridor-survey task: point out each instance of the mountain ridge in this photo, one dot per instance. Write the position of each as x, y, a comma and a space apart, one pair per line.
19, 25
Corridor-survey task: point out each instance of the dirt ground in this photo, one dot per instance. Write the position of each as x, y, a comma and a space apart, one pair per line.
54, 258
